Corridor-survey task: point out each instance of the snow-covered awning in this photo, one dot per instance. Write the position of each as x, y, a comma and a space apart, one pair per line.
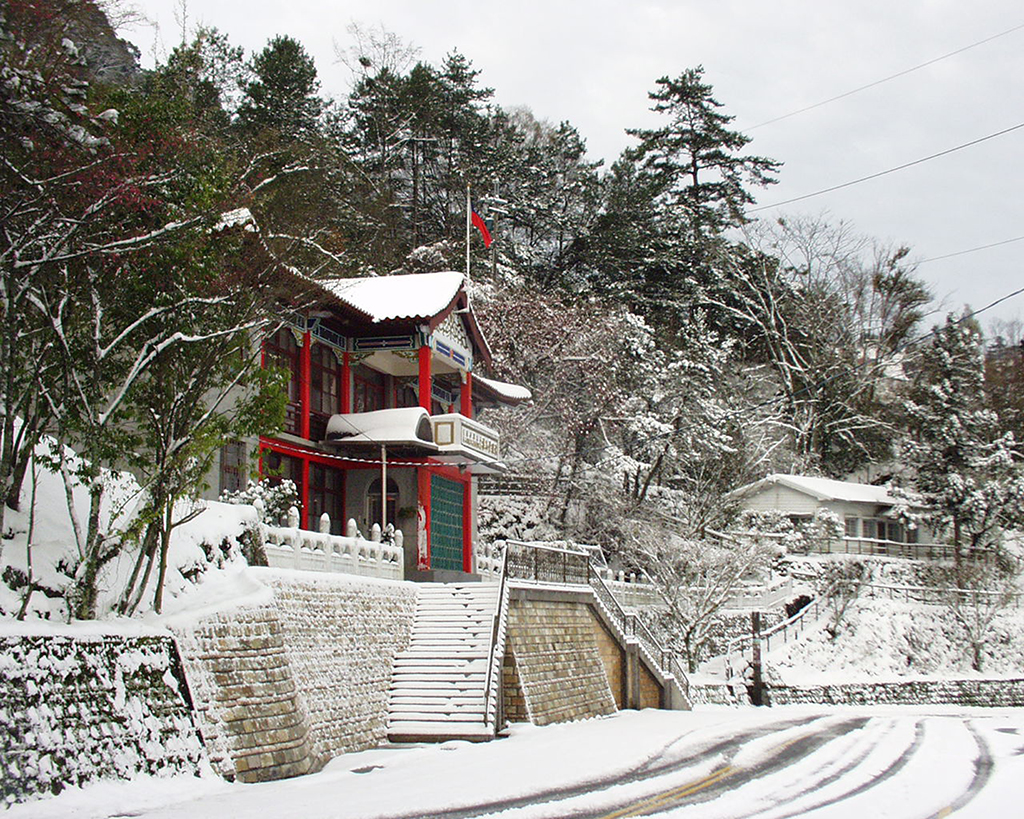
501, 391
403, 430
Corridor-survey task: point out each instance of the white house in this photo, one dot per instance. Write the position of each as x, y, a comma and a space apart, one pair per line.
870, 514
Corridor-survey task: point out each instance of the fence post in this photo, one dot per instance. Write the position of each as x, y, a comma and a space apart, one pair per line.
757, 692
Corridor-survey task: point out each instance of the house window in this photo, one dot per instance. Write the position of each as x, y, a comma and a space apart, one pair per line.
327, 494
283, 351
232, 467
871, 529
367, 389
324, 389
373, 502
852, 528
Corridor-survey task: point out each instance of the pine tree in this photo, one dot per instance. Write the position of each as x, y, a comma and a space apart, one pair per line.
283, 92
967, 470
695, 158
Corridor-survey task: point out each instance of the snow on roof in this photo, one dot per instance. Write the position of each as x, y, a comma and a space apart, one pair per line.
512, 393
386, 298
404, 426
824, 489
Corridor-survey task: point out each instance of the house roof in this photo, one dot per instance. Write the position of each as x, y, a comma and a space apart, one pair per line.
502, 391
398, 298
822, 489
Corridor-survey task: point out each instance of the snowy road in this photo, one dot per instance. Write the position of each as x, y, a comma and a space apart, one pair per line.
712, 764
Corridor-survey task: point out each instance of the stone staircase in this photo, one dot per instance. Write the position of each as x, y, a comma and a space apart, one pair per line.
438, 684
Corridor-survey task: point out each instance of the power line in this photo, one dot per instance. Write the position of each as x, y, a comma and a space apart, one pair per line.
886, 79
904, 166
971, 250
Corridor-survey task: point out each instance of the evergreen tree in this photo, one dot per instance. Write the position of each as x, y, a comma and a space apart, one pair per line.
695, 158
967, 470
283, 92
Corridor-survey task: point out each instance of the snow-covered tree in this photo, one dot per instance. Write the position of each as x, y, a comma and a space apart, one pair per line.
694, 579
965, 467
695, 158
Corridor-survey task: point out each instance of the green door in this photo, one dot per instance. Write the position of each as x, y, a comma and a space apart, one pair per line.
445, 523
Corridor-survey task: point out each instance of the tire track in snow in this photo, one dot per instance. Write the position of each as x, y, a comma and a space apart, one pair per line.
891, 771
648, 770
983, 765
727, 778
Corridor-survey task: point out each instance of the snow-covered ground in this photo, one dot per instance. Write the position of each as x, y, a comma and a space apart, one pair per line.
892, 640
879, 762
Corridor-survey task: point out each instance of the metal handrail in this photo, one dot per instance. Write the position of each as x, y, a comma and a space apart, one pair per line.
739, 644
626, 622
632, 626
495, 633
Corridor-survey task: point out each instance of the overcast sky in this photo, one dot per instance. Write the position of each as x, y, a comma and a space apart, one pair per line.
592, 63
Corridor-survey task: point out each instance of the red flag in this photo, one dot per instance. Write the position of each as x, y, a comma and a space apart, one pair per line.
482, 227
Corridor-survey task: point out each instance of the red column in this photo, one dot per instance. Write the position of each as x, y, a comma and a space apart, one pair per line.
466, 399
425, 393
346, 382
423, 519
467, 525
305, 366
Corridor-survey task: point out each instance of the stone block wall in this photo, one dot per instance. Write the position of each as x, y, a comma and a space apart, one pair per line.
283, 685
992, 692
246, 699
613, 657
341, 636
557, 660
77, 708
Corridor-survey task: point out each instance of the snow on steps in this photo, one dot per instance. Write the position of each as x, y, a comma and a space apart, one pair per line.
438, 684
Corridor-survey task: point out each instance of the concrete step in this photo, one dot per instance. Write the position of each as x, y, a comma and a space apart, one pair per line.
430, 731
439, 716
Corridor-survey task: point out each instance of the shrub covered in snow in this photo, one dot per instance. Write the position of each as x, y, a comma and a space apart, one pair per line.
38, 554
272, 501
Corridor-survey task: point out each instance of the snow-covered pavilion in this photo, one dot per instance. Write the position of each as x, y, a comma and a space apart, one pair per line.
386, 379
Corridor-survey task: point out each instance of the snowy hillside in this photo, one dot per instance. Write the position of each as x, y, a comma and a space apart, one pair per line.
42, 546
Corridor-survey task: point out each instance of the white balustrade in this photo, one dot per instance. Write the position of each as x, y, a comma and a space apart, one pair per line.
289, 547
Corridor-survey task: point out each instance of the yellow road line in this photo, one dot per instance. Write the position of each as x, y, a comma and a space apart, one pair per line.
670, 795
661, 799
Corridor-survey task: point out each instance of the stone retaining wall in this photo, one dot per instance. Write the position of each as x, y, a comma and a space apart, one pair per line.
706, 693
993, 692
77, 708
246, 698
283, 685
556, 659
341, 635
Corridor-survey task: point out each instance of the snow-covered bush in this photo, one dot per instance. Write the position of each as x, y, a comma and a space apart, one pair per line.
272, 501
512, 518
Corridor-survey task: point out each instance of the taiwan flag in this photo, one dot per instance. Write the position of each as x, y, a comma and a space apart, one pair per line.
481, 225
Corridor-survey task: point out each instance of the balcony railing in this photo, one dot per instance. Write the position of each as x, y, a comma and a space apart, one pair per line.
462, 437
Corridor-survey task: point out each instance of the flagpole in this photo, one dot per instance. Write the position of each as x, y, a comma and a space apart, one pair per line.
469, 226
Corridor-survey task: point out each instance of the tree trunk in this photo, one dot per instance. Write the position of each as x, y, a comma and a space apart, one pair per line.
84, 593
